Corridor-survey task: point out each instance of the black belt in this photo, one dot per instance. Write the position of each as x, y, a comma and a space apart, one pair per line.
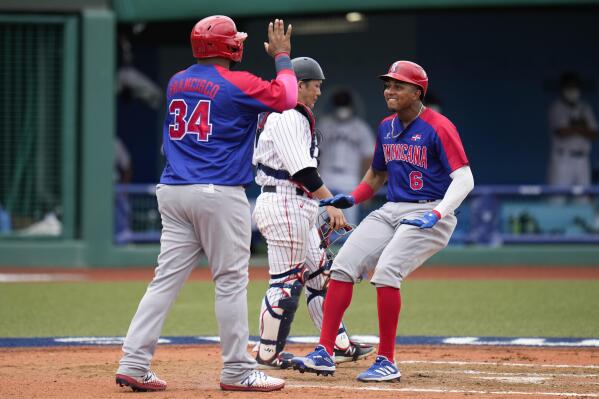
273, 189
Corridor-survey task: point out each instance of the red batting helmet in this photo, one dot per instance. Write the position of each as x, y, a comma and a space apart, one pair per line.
217, 36
407, 71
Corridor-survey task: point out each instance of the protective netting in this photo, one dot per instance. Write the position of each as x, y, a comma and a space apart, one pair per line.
31, 62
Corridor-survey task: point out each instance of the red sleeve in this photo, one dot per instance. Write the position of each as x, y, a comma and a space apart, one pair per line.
452, 146
273, 94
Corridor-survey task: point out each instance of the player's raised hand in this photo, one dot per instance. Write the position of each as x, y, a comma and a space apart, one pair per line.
340, 201
425, 221
279, 41
336, 218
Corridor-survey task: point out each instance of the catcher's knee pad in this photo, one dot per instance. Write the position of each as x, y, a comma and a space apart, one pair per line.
280, 311
314, 293
317, 283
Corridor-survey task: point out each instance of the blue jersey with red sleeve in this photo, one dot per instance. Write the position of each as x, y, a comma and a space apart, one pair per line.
418, 158
210, 124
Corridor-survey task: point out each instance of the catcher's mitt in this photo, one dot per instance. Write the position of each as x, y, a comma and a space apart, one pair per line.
331, 240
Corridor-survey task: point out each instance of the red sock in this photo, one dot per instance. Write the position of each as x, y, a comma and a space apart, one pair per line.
336, 302
388, 304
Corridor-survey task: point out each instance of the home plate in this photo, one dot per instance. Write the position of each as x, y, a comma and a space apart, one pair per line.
517, 379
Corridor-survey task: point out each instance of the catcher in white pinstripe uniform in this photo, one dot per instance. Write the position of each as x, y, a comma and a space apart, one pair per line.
286, 211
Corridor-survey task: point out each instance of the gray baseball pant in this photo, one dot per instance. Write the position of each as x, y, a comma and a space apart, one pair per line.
391, 249
196, 218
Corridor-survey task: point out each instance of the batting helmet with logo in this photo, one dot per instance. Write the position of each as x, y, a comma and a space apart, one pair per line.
410, 72
217, 36
306, 68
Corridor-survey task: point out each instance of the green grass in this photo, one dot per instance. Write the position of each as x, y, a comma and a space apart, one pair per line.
430, 307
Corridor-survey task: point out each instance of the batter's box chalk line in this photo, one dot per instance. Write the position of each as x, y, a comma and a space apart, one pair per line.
479, 393
312, 340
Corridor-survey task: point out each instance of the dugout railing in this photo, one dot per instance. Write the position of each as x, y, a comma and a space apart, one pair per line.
492, 215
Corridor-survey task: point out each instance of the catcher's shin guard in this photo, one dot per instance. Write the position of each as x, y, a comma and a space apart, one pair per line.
276, 318
316, 289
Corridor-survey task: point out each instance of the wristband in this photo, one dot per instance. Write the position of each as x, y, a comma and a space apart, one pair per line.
362, 193
437, 214
283, 62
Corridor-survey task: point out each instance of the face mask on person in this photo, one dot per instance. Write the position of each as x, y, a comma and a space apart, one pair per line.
571, 94
344, 113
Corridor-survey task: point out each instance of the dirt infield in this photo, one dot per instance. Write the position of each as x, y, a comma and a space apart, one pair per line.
427, 372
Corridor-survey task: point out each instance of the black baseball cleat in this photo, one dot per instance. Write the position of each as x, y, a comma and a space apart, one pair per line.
282, 361
355, 352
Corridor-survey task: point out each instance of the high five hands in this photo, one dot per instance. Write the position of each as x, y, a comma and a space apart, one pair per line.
278, 40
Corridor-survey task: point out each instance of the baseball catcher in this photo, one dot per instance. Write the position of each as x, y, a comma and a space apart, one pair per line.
286, 212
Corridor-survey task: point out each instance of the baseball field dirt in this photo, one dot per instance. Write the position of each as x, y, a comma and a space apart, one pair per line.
192, 371
427, 372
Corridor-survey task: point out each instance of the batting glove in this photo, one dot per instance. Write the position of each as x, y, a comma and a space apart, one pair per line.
340, 201
426, 221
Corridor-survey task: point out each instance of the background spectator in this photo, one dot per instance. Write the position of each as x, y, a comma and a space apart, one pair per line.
346, 149
573, 126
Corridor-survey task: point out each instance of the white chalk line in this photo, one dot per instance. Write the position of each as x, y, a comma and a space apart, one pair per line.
439, 390
39, 277
465, 363
515, 379
477, 372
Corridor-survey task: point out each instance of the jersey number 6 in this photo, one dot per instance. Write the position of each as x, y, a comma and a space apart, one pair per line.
416, 180
198, 122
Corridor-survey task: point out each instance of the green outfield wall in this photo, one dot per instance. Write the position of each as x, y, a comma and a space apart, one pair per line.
155, 10
85, 118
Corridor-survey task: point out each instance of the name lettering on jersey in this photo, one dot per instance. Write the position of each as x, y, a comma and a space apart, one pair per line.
202, 86
414, 154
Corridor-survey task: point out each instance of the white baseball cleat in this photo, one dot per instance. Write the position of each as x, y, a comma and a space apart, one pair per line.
148, 383
255, 381
353, 353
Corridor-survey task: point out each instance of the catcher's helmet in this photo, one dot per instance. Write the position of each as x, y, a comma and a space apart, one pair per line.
410, 72
306, 68
217, 36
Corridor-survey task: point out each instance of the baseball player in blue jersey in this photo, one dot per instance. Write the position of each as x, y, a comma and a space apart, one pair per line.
419, 153
209, 131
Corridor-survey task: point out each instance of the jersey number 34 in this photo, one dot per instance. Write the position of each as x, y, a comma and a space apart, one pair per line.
197, 123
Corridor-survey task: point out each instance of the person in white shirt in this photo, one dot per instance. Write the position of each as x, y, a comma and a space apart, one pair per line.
346, 136
573, 127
